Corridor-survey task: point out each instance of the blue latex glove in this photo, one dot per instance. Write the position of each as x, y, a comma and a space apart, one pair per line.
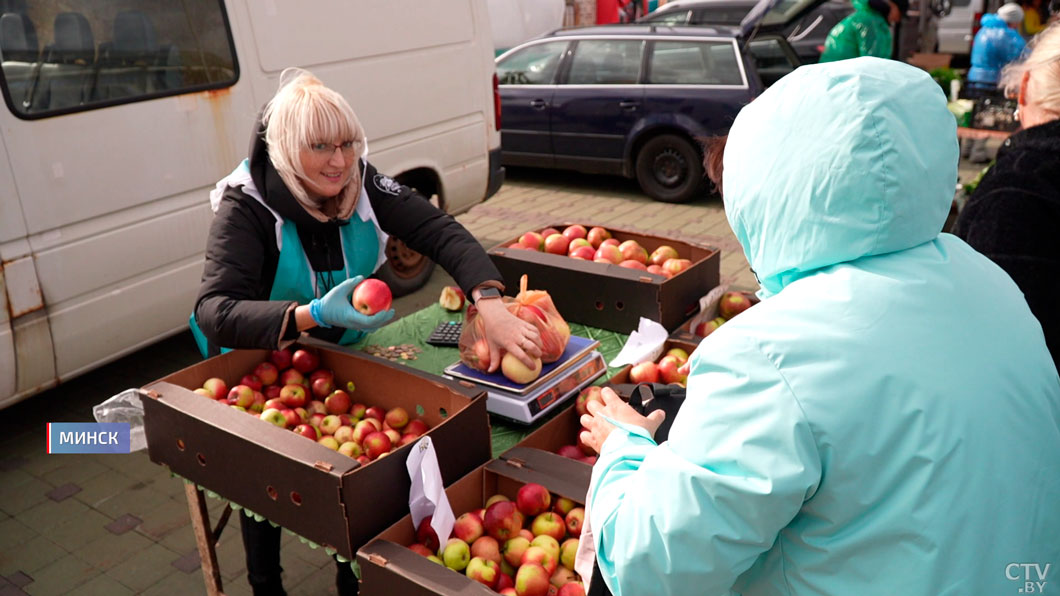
336, 309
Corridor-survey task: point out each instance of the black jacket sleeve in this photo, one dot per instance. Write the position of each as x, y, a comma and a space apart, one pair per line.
233, 308
1013, 221
408, 216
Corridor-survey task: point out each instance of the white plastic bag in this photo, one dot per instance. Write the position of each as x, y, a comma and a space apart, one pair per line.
645, 344
125, 407
427, 493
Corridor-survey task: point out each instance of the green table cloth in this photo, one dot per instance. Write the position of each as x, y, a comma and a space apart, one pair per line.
414, 329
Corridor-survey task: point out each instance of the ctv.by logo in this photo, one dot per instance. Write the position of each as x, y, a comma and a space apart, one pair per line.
1031, 574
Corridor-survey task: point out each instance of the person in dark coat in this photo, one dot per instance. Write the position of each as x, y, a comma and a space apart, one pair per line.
1013, 217
297, 226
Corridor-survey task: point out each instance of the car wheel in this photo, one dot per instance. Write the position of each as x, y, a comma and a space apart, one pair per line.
405, 270
669, 169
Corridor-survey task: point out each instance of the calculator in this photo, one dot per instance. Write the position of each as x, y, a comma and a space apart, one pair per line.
446, 334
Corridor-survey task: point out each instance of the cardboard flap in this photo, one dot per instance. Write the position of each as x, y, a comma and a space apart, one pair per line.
562, 475
407, 573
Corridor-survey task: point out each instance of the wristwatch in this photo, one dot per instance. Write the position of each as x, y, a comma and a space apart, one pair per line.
486, 293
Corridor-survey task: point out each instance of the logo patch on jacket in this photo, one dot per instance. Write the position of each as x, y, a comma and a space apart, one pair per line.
386, 184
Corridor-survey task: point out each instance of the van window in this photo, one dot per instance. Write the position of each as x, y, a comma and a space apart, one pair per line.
694, 63
532, 65
73, 55
606, 62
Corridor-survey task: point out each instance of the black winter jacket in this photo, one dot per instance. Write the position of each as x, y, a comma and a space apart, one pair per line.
233, 307
1013, 217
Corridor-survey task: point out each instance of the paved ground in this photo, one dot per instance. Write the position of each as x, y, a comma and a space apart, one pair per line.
118, 524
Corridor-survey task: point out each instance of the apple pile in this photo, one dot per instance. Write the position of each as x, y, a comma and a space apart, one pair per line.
291, 391
596, 244
730, 305
524, 547
665, 370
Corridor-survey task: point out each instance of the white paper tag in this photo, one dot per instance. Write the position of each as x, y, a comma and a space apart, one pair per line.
427, 494
644, 344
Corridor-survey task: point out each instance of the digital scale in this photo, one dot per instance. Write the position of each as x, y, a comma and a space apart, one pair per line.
579, 366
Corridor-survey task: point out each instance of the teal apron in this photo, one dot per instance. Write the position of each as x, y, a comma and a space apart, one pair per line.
296, 282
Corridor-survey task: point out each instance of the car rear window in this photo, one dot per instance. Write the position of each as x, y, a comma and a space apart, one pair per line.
694, 63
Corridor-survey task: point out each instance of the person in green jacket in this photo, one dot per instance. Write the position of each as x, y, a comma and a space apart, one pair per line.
865, 32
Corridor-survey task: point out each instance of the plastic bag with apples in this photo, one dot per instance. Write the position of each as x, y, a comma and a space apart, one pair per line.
532, 306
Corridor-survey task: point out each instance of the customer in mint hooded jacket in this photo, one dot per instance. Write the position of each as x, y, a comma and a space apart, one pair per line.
887, 420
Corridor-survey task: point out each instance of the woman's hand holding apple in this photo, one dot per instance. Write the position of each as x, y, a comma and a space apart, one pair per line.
597, 429
505, 331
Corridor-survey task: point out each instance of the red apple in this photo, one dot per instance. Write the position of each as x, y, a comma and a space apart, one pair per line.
577, 242
533, 241
406, 439
610, 242
633, 265
394, 436
550, 544
535, 555
420, 549
316, 407
338, 402
204, 392
567, 552
452, 299
241, 395
571, 589
591, 393
497, 498
304, 361
608, 254
344, 433
644, 372
596, 236
293, 396
329, 442
274, 416
668, 370
532, 499
586, 253
513, 550
502, 520
376, 444
483, 571
545, 233
557, 244
675, 266
375, 412
732, 304
658, 270
306, 431
549, 523
267, 372
372, 296
322, 387
574, 521
330, 424
570, 451
426, 535
416, 427
468, 527
275, 403
518, 246
456, 554
357, 410
252, 381
217, 387
680, 354
575, 231
281, 359
561, 577
662, 254
397, 418
292, 377
517, 372
563, 506
292, 419
632, 251
488, 548
271, 391
707, 327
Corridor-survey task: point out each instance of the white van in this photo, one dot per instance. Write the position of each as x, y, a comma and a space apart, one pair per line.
122, 114
958, 28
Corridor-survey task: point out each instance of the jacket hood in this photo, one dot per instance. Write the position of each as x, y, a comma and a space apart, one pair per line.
839, 161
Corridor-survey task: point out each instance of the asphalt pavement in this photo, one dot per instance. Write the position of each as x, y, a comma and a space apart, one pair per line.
119, 524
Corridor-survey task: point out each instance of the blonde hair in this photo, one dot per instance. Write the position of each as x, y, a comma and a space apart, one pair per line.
1043, 64
304, 112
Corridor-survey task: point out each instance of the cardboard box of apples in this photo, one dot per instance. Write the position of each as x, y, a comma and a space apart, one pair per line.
626, 276
301, 482
718, 306
518, 522
560, 435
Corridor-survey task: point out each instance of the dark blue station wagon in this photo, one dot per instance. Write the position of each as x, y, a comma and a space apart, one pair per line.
633, 100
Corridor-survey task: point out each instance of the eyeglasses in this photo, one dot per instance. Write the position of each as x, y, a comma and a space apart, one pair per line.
348, 148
